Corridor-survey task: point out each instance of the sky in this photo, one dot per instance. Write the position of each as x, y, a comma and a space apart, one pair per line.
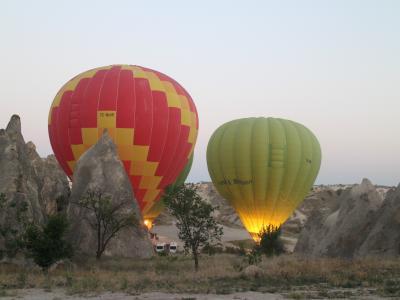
333, 66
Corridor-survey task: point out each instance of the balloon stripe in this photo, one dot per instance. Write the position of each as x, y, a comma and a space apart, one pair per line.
126, 101
89, 106
75, 113
109, 91
160, 126
167, 158
144, 116
284, 157
152, 120
63, 131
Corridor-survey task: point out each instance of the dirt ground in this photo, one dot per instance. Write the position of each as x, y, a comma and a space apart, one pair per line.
39, 294
169, 233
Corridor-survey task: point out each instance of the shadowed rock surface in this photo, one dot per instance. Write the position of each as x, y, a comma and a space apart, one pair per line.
384, 237
364, 224
27, 178
100, 167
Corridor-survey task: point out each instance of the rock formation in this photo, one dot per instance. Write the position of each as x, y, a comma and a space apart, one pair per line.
384, 237
27, 178
100, 167
355, 227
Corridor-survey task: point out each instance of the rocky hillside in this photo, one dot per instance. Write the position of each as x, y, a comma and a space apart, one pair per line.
307, 221
333, 220
321, 198
25, 177
363, 221
41, 185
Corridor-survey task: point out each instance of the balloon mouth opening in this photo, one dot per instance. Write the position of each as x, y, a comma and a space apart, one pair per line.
255, 236
148, 223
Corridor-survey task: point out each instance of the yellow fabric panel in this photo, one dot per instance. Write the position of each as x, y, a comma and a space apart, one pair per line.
149, 200
143, 168
106, 119
78, 150
194, 119
169, 88
124, 136
192, 134
185, 117
184, 102
149, 182
89, 136
173, 100
138, 72
155, 82
133, 153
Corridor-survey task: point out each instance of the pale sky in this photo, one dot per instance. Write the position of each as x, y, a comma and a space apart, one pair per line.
333, 66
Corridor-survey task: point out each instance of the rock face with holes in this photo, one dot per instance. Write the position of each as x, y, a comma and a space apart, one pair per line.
25, 177
361, 223
100, 168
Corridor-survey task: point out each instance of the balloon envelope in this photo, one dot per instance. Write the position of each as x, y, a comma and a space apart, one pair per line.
264, 167
150, 117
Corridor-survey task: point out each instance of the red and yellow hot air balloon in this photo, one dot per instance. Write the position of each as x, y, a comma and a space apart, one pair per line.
150, 117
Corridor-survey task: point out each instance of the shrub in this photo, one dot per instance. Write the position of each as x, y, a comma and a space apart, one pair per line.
46, 244
270, 241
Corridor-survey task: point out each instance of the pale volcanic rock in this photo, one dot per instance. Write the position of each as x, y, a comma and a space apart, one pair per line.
341, 232
384, 237
27, 178
100, 167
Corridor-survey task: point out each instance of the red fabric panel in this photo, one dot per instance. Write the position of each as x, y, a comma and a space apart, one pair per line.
90, 100
174, 127
55, 142
109, 91
139, 194
75, 112
144, 112
63, 131
126, 101
178, 157
160, 126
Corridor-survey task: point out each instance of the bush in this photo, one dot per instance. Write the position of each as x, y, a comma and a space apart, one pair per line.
46, 244
270, 241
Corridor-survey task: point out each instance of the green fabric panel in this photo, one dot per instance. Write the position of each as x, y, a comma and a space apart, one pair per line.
264, 167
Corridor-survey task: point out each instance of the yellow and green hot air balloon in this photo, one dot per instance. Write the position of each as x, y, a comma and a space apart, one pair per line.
264, 167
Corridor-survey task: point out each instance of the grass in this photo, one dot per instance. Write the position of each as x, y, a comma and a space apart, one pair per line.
295, 277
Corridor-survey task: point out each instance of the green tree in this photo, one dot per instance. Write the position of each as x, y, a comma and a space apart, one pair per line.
12, 226
196, 225
270, 241
46, 244
107, 216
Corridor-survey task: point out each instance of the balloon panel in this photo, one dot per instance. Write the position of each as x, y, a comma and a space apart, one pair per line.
150, 117
264, 167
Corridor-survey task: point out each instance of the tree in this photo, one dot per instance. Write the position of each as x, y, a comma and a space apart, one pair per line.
46, 244
270, 241
196, 225
107, 216
12, 226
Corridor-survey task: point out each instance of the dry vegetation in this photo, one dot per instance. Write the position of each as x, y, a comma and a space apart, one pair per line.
221, 274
